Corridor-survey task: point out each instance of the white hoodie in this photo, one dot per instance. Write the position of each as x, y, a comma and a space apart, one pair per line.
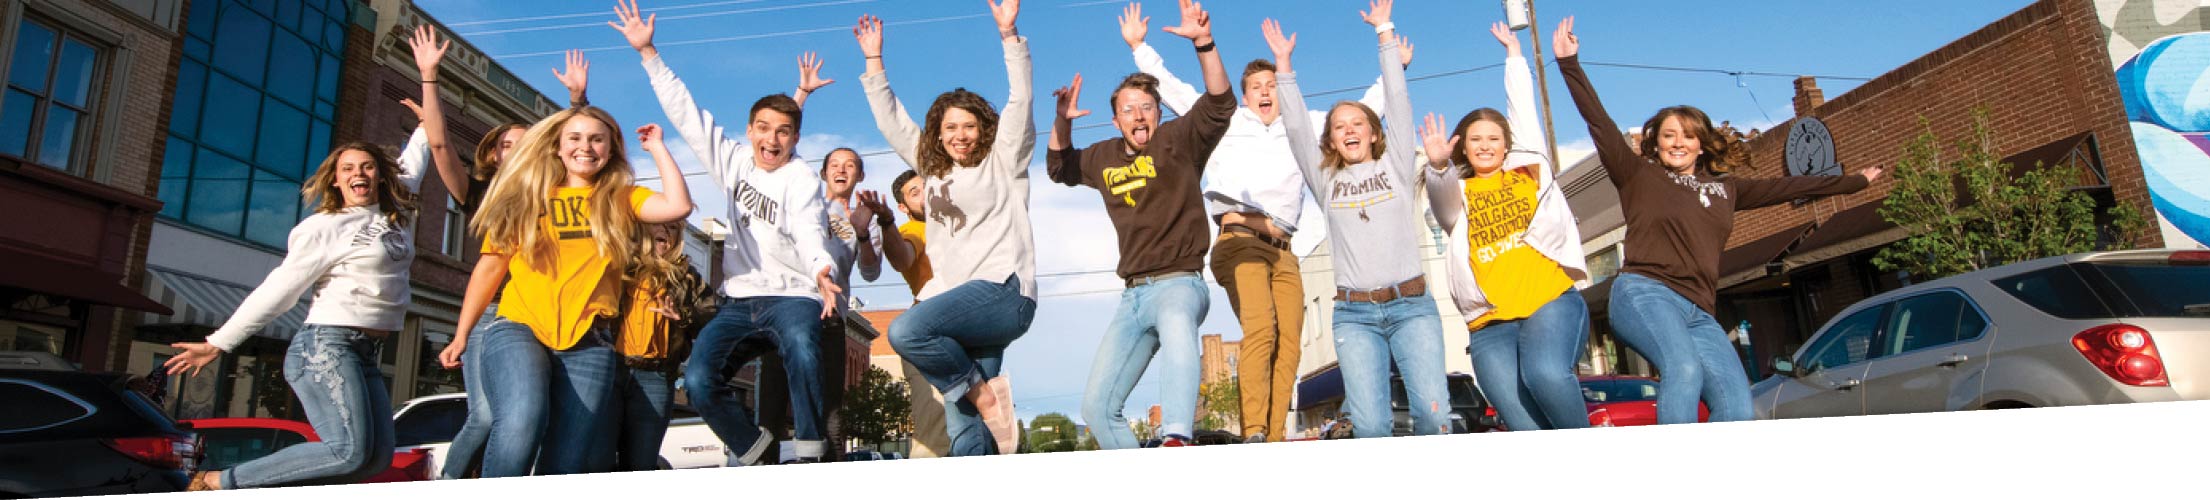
777, 243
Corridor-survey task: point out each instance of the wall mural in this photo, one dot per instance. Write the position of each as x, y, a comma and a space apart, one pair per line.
2162, 52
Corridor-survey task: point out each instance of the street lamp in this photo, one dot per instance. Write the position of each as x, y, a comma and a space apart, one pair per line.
1520, 14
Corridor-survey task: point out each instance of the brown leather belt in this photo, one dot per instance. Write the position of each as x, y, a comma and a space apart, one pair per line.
650, 364
1414, 287
1262, 237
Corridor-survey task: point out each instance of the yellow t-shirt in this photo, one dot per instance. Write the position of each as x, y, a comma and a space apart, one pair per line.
560, 306
1516, 278
644, 331
919, 273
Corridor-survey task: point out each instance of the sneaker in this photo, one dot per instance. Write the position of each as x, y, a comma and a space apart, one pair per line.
1255, 438
751, 455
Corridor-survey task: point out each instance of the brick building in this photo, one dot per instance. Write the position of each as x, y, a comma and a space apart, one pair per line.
1218, 358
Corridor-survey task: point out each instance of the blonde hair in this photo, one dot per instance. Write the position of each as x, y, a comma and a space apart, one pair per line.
395, 200
520, 193
666, 273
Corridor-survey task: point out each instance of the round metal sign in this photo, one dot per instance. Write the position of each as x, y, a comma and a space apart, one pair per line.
1811, 149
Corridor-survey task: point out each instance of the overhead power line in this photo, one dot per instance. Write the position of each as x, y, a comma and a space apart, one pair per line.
670, 18
596, 13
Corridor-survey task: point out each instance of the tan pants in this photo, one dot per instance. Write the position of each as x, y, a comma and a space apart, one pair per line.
929, 439
1267, 292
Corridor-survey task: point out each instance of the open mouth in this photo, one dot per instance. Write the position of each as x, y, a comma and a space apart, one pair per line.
584, 158
359, 188
959, 149
840, 180
1141, 134
1266, 106
1352, 143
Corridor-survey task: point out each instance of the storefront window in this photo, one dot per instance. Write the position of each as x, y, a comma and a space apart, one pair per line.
430, 376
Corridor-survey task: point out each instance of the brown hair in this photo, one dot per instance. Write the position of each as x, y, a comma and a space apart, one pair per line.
1465, 127
897, 189
508, 219
1329, 157
859, 164
1715, 157
1260, 65
780, 103
321, 189
934, 160
1139, 81
487, 152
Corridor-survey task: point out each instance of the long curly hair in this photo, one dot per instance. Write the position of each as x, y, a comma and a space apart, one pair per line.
534, 171
395, 200
1330, 158
669, 274
935, 162
1717, 156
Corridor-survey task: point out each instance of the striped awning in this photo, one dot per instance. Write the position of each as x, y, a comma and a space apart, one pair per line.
208, 302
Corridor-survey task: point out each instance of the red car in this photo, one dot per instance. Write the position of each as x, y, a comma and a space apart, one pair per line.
1620, 401
227, 442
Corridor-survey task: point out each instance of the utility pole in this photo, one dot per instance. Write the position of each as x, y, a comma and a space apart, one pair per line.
1542, 79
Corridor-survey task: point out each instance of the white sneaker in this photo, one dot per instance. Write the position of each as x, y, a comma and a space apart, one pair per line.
751, 456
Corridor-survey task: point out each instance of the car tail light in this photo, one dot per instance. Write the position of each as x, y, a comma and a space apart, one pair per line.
169, 452
2124, 352
1599, 418
2197, 257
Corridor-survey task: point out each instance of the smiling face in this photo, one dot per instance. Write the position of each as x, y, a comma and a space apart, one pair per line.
774, 137
585, 146
958, 134
1678, 144
910, 196
1350, 134
841, 172
1136, 113
356, 178
1485, 145
1258, 95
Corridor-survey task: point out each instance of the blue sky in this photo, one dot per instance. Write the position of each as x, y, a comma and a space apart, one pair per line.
731, 52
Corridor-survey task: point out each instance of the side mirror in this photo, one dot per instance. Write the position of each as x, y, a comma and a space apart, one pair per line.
1783, 367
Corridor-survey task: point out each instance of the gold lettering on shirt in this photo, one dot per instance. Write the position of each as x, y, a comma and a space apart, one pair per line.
1125, 181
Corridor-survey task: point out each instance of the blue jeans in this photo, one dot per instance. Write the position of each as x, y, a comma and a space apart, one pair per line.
1526, 366
646, 398
513, 365
1158, 318
466, 449
957, 340
741, 331
582, 386
1695, 361
333, 371
1368, 337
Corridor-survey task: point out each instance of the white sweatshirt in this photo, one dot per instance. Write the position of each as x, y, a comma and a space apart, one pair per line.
779, 241
355, 259
978, 227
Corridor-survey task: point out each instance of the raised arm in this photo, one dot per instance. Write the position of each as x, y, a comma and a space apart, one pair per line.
1443, 195
809, 78
1064, 161
577, 79
1176, 94
1752, 193
871, 219
1612, 150
1519, 100
890, 114
312, 252
1403, 146
428, 52
484, 282
709, 141
1304, 139
1015, 145
673, 202
1197, 27
1377, 96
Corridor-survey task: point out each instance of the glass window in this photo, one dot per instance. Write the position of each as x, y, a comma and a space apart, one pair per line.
431, 422
232, 129
318, 147
218, 192
283, 144
73, 73
196, 49
2159, 289
1930, 320
274, 208
201, 22
33, 407
431, 377
16, 112
292, 70
59, 137
333, 35
2057, 291
1849, 341
265, 6
454, 244
34, 54
287, 13
223, 448
327, 89
242, 45
191, 86
44, 116
176, 172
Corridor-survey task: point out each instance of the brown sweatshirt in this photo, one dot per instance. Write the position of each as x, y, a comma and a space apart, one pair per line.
1154, 197
1677, 225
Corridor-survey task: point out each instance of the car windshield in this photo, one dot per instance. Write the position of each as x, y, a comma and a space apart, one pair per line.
2162, 290
434, 421
1615, 391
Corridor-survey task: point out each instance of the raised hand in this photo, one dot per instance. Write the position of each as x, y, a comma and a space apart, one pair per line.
1134, 25
1435, 142
1282, 46
1404, 50
1005, 12
869, 34
419, 114
1376, 13
578, 76
1069, 100
809, 74
1562, 42
872, 201
648, 137
1504, 35
1196, 23
195, 356
427, 51
637, 29
1873, 173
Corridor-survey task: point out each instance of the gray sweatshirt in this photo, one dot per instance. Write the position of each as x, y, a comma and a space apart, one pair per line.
1373, 208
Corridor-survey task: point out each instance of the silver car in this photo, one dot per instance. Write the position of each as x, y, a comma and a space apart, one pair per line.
2093, 328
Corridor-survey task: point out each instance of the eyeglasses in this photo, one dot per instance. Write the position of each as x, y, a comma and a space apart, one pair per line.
1145, 107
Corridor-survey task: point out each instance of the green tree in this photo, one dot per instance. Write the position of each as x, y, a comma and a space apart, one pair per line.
877, 410
1221, 405
1053, 432
1969, 212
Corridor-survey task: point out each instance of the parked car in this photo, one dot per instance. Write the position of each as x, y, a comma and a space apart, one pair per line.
68, 433
863, 456
1622, 401
227, 442
1469, 409
430, 422
893, 456
2093, 328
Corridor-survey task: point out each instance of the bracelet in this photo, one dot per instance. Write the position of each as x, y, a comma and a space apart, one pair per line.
433, 80
1207, 47
1385, 27
874, 57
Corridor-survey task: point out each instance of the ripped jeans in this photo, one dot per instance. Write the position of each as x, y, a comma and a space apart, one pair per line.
332, 370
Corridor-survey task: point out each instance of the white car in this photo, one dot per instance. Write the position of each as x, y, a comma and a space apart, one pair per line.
431, 421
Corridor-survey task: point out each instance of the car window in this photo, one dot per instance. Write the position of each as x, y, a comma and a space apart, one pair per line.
34, 406
1614, 391
1930, 320
434, 421
1848, 341
223, 448
2057, 291
1463, 392
2161, 290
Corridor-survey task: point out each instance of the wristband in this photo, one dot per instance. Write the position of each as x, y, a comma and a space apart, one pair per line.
1207, 47
1385, 27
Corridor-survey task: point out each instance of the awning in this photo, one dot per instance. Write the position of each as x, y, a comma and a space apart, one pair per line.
208, 302
47, 275
1747, 262
1322, 386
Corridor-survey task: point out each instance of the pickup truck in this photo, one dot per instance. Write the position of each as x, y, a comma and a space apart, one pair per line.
430, 422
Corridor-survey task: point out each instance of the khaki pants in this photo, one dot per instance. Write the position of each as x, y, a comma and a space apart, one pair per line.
929, 438
1267, 292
